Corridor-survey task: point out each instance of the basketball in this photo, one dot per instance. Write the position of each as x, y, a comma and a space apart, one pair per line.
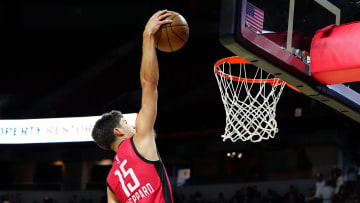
173, 36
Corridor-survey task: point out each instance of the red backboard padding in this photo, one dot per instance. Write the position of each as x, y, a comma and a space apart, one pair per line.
335, 54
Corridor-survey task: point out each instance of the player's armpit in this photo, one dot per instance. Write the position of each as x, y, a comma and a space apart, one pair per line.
112, 197
144, 139
146, 146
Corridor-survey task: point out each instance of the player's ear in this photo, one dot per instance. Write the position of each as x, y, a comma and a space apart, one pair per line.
118, 132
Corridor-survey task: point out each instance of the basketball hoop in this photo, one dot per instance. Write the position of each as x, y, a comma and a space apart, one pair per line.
249, 97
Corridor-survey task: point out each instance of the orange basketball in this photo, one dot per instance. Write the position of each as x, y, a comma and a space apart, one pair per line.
172, 36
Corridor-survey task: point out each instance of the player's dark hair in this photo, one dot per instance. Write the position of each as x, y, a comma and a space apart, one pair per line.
103, 131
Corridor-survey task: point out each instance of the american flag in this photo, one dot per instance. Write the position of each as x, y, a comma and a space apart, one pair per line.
254, 17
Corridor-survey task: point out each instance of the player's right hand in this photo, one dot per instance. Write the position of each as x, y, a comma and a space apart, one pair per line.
155, 22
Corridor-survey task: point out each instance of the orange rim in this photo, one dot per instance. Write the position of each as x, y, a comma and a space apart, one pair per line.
239, 60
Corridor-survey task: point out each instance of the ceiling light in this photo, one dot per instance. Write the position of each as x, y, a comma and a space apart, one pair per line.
104, 162
58, 163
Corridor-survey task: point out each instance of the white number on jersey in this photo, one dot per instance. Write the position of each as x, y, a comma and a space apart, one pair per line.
123, 174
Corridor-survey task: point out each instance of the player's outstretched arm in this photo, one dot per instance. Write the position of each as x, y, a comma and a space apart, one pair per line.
149, 76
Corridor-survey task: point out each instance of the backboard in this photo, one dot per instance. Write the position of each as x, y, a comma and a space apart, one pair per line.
276, 36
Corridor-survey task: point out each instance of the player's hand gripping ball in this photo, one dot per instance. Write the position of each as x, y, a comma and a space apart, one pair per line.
172, 36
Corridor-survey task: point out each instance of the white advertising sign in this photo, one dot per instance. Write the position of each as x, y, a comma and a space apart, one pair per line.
52, 130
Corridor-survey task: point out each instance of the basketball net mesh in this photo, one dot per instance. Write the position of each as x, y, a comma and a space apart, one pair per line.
250, 104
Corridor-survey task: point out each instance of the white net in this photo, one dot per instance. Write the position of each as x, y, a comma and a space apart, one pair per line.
250, 104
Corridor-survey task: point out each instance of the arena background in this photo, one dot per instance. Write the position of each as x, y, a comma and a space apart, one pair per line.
82, 58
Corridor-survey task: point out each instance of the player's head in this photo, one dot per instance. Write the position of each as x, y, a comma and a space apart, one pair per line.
110, 127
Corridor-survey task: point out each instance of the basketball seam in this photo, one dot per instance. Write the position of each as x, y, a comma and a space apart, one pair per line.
174, 16
171, 26
172, 31
167, 36
177, 34
173, 19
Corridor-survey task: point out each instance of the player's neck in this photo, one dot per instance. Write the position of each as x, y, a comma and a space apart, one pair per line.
115, 145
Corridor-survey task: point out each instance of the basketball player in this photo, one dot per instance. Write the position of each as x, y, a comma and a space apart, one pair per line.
137, 174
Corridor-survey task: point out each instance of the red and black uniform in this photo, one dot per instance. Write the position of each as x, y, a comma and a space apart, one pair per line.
133, 179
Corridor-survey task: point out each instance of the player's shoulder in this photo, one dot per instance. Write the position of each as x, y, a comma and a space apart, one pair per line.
143, 140
145, 147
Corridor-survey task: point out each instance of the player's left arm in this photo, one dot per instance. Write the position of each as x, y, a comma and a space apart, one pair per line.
111, 197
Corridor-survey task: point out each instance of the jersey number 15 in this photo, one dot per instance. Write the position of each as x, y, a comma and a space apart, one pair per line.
123, 174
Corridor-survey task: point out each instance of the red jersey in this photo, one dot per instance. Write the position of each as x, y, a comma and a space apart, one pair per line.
134, 179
